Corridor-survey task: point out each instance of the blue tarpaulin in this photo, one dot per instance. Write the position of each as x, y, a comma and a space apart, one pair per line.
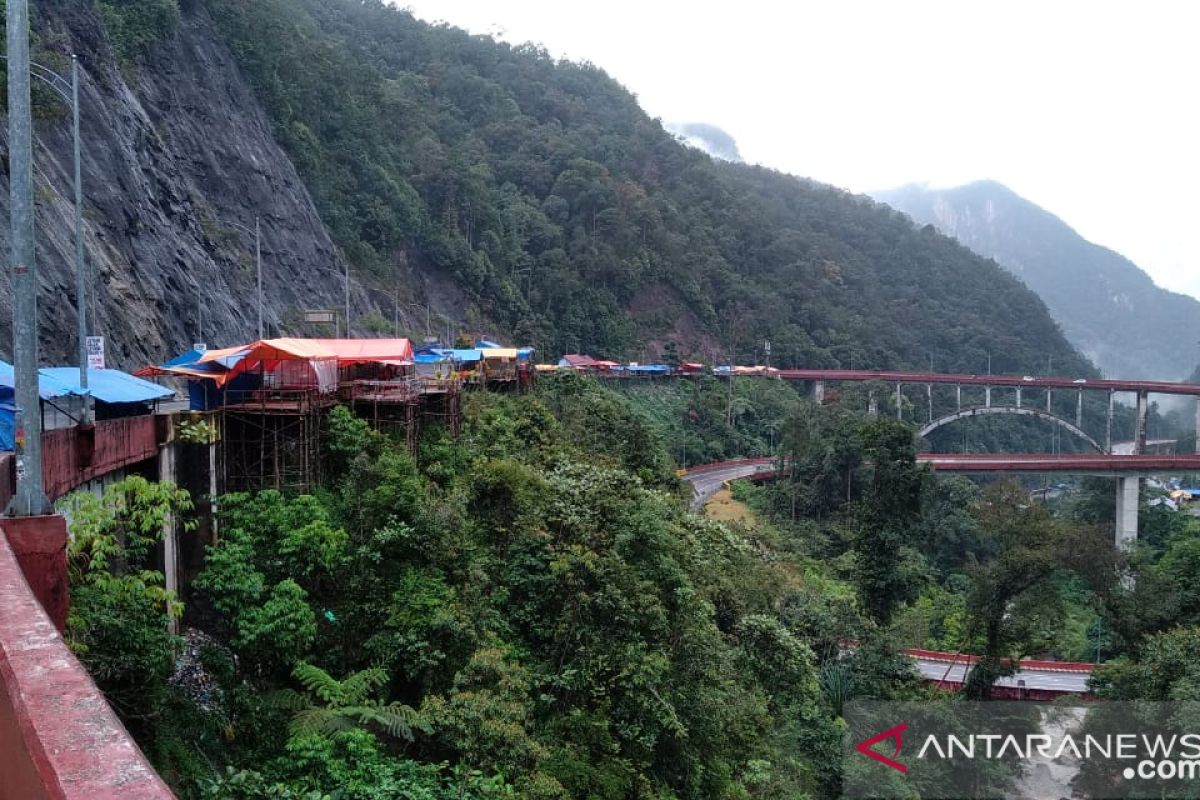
109, 385
466, 356
188, 359
105, 385
7, 424
48, 386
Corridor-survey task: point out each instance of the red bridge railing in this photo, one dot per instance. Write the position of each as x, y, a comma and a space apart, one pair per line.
74, 456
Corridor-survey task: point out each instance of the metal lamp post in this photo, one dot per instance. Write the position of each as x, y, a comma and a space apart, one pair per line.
346, 283
257, 233
68, 91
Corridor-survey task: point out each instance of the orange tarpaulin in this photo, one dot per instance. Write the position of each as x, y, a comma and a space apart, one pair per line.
346, 351
353, 351
269, 353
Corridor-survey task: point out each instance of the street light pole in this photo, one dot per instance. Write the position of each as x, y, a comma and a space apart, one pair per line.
80, 287
257, 263
69, 93
30, 498
258, 271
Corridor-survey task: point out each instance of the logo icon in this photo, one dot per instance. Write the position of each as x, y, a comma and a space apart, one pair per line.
896, 733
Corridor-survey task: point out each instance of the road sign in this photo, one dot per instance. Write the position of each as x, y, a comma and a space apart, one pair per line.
200, 347
95, 352
320, 316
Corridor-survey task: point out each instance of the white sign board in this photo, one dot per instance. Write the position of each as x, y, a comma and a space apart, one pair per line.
95, 352
200, 347
320, 316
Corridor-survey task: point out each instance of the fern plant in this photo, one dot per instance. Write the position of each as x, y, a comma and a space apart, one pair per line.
328, 705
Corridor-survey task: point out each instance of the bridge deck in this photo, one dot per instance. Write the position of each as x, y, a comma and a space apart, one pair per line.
1085, 464
1152, 387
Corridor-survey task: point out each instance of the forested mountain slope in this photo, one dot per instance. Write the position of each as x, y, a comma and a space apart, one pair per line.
517, 194
1107, 306
568, 216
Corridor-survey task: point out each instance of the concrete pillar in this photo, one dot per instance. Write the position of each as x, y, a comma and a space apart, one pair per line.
1079, 409
1139, 428
1128, 489
899, 403
929, 397
987, 396
166, 474
40, 545
818, 392
1018, 397
958, 400
1198, 424
213, 488
1108, 424
873, 404
1049, 410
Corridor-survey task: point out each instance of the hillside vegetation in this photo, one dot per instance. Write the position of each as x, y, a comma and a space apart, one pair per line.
563, 213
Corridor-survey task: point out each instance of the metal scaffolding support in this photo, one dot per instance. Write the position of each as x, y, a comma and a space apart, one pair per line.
272, 440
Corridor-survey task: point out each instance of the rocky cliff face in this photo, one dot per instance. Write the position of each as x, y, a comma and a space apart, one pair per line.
175, 151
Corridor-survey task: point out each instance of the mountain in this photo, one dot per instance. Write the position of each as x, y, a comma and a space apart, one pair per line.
1108, 307
521, 195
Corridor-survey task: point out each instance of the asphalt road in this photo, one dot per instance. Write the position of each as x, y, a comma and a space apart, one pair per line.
706, 484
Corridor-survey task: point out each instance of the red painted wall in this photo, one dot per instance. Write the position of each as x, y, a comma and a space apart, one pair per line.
59, 740
40, 546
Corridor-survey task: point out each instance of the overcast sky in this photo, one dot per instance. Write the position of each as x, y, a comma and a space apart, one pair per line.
1089, 109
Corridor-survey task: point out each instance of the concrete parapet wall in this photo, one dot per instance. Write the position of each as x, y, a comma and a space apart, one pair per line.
59, 739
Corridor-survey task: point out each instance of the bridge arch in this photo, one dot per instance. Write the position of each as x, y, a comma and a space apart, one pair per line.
976, 411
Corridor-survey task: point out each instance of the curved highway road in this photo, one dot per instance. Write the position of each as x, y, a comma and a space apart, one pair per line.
707, 480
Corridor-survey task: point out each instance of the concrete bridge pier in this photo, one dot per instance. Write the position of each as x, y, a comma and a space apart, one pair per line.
1128, 491
873, 405
899, 403
818, 392
987, 396
1198, 424
167, 474
1139, 430
1108, 424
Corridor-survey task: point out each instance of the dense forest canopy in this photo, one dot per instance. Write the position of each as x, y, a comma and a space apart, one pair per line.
568, 216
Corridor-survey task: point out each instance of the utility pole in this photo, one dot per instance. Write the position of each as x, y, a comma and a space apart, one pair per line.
30, 498
80, 288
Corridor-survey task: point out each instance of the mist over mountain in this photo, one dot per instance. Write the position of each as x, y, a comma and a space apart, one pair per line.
1107, 306
709, 138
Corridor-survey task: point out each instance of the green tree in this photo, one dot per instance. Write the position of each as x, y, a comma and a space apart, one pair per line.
1030, 545
887, 568
121, 613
